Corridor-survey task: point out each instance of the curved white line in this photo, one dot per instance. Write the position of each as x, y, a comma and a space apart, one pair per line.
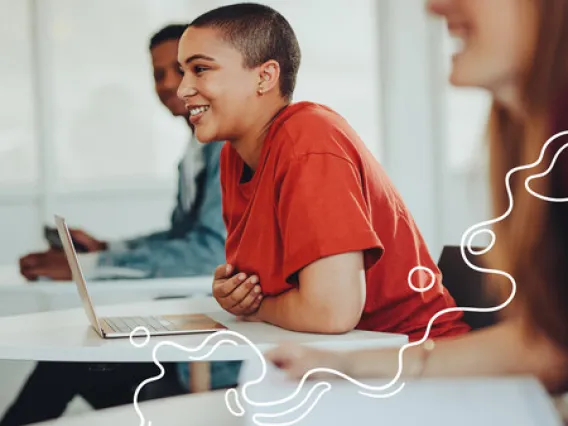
326, 387
421, 289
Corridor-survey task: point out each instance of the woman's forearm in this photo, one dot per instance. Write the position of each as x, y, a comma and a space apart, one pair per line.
504, 349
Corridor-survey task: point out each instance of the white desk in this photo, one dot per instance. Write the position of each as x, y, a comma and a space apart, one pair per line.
206, 409
67, 336
432, 402
464, 401
18, 296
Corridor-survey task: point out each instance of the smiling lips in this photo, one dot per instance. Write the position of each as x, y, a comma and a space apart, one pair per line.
196, 112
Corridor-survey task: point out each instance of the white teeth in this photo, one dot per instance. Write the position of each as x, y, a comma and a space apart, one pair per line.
198, 110
458, 44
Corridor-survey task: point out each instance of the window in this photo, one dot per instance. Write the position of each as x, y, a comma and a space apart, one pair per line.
108, 126
18, 152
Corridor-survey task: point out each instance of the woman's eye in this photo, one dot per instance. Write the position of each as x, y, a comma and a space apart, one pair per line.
199, 69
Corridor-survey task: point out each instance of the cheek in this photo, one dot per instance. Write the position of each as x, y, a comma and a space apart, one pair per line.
229, 99
495, 53
231, 96
159, 90
508, 52
210, 89
509, 35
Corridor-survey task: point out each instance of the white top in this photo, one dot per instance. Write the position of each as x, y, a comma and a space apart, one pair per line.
205, 409
68, 336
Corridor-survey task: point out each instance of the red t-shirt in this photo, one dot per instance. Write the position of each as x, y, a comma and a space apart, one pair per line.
317, 192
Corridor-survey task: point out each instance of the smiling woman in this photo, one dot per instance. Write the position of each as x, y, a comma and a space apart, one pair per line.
311, 216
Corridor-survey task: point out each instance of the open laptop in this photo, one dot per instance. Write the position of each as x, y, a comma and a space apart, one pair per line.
115, 327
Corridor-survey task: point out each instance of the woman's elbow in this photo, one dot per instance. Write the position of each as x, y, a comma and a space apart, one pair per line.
339, 321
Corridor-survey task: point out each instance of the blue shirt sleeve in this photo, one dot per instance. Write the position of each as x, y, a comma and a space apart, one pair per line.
198, 251
140, 241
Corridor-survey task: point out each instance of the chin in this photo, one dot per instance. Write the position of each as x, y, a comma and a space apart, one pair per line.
457, 80
205, 137
467, 72
463, 77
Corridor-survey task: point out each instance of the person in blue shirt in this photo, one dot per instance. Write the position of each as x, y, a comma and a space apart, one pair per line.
195, 242
194, 245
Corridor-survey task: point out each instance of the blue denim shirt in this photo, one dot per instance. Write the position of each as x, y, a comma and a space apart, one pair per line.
195, 242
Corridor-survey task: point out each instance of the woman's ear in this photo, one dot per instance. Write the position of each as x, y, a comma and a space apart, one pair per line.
269, 77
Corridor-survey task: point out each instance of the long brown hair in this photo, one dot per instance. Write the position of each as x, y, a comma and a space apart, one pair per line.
532, 243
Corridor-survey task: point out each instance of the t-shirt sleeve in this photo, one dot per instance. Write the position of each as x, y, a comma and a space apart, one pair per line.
322, 212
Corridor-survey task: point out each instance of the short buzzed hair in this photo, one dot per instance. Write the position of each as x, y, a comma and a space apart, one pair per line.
169, 32
260, 34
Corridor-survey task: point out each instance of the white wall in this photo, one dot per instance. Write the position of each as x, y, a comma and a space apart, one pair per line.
431, 135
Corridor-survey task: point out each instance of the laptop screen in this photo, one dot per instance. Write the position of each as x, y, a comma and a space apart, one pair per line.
76, 272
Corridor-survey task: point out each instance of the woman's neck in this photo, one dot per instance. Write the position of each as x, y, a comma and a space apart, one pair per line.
249, 147
510, 97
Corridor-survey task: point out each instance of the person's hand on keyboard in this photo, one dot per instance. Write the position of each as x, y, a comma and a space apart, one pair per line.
236, 293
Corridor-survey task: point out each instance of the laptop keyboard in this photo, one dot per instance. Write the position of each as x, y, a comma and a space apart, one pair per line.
128, 324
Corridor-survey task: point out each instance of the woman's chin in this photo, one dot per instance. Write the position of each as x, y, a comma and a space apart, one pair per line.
464, 73
461, 79
456, 77
203, 136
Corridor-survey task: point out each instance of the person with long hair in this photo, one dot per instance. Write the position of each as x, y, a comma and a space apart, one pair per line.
518, 51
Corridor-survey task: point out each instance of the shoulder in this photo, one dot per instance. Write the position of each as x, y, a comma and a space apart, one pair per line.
312, 118
312, 128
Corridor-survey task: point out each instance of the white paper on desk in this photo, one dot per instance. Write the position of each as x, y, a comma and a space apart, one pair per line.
427, 402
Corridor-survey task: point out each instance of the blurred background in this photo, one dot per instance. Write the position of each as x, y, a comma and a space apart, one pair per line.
82, 133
